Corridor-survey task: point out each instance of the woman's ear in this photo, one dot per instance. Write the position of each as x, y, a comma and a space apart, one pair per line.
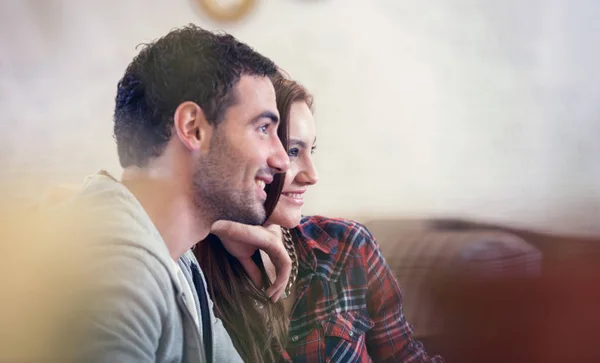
191, 127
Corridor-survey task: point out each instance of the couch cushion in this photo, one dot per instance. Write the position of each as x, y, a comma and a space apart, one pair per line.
420, 256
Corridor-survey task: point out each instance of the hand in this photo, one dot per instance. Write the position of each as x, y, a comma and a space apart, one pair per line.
242, 240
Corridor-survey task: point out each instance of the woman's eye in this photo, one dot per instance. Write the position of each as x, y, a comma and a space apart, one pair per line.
264, 128
313, 149
293, 152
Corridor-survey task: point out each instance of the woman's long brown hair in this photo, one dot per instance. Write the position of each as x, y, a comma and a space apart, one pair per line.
258, 331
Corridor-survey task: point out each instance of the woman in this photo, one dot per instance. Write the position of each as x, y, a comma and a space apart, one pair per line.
343, 303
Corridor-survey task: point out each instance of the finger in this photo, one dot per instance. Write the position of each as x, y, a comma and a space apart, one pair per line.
277, 295
283, 267
253, 272
257, 236
276, 290
273, 293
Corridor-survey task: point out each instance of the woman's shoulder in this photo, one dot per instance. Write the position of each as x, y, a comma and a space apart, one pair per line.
331, 223
346, 231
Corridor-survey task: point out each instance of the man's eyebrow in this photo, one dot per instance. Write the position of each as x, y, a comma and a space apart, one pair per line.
267, 114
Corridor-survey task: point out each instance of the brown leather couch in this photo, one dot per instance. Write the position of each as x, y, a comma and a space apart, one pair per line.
478, 292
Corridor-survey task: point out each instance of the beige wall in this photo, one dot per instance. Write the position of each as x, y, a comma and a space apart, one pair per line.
466, 108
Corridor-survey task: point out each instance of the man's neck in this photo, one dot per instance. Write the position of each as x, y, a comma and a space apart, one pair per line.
169, 207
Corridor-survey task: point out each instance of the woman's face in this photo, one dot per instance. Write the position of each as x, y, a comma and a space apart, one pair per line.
302, 172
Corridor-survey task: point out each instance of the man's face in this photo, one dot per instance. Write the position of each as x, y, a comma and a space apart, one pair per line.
244, 154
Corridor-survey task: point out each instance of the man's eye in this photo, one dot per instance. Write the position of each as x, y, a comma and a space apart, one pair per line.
293, 152
264, 128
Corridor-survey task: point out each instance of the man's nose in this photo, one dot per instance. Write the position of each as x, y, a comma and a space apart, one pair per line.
279, 159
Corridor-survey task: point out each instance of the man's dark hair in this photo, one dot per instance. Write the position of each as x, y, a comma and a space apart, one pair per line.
187, 64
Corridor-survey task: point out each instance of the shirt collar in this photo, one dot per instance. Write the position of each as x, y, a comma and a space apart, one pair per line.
312, 238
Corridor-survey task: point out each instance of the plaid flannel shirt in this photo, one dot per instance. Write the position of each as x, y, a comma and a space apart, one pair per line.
349, 304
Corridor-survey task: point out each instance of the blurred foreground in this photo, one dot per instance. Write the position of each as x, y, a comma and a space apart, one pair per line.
549, 314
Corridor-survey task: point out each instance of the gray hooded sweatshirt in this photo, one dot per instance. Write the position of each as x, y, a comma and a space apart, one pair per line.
136, 309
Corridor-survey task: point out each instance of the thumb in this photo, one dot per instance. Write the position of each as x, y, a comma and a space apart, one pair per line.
231, 230
222, 226
256, 236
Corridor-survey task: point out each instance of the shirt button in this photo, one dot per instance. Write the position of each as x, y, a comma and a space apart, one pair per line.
350, 333
295, 338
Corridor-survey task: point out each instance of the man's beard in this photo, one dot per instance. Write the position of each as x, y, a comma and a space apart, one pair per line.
213, 191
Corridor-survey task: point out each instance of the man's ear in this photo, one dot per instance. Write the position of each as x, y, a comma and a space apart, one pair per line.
192, 128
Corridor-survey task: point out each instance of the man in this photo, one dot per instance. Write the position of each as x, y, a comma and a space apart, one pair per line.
195, 123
